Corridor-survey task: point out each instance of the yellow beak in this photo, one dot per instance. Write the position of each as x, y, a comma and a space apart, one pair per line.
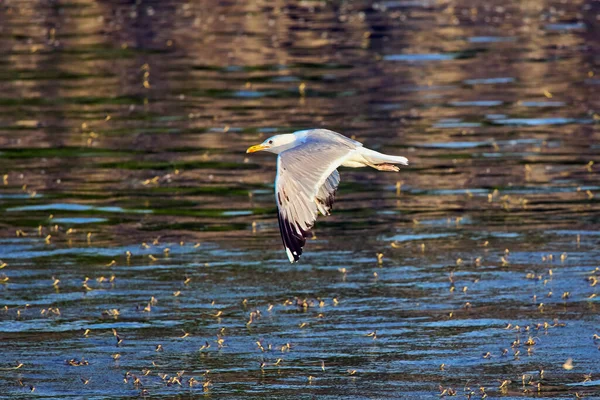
256, 148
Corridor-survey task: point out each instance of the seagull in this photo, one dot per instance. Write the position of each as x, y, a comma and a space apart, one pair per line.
307, 177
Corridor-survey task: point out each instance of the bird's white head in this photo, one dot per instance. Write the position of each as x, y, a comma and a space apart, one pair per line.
275, 144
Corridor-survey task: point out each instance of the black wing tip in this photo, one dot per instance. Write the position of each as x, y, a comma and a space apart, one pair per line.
292, 256
293, 241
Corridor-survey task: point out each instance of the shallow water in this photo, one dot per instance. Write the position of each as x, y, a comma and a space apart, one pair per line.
123, 129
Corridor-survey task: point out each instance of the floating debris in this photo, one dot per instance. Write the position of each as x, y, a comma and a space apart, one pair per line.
568, 365
77, 363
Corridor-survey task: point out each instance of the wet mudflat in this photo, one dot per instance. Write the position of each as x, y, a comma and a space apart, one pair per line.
139, 247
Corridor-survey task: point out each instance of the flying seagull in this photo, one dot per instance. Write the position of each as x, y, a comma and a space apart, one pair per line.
307, 177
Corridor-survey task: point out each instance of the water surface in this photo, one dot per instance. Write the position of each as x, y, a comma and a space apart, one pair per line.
141, 244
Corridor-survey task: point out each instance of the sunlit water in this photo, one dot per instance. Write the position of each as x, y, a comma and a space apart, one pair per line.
139, 241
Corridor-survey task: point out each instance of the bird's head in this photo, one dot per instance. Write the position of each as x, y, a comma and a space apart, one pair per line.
275, 144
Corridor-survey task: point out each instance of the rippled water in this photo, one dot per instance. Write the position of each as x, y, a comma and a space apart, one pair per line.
139, 245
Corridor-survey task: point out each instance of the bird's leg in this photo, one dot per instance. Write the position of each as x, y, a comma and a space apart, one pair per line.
385, 167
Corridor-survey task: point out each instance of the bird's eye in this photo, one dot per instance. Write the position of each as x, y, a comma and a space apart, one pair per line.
270, 142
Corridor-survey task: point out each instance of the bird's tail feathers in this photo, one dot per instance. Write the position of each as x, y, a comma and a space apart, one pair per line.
374, 157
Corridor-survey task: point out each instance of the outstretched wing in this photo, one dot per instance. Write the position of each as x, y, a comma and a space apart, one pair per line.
306, 183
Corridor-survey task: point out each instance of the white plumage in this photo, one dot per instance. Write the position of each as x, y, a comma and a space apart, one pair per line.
307, 177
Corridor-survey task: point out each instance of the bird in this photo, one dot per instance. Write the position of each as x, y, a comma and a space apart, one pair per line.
307, 178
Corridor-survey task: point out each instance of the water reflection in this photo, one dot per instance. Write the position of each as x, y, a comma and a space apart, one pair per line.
128, 202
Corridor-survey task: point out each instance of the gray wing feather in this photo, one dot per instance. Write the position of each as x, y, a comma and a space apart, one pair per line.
325, 135
306, 183
326, 194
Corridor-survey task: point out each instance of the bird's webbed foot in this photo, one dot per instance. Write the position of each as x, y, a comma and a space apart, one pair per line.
386, 167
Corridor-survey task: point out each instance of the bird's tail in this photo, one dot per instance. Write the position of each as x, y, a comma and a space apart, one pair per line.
375, 158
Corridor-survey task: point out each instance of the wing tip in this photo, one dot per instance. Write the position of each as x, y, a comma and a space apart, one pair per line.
293, 241
291, 256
